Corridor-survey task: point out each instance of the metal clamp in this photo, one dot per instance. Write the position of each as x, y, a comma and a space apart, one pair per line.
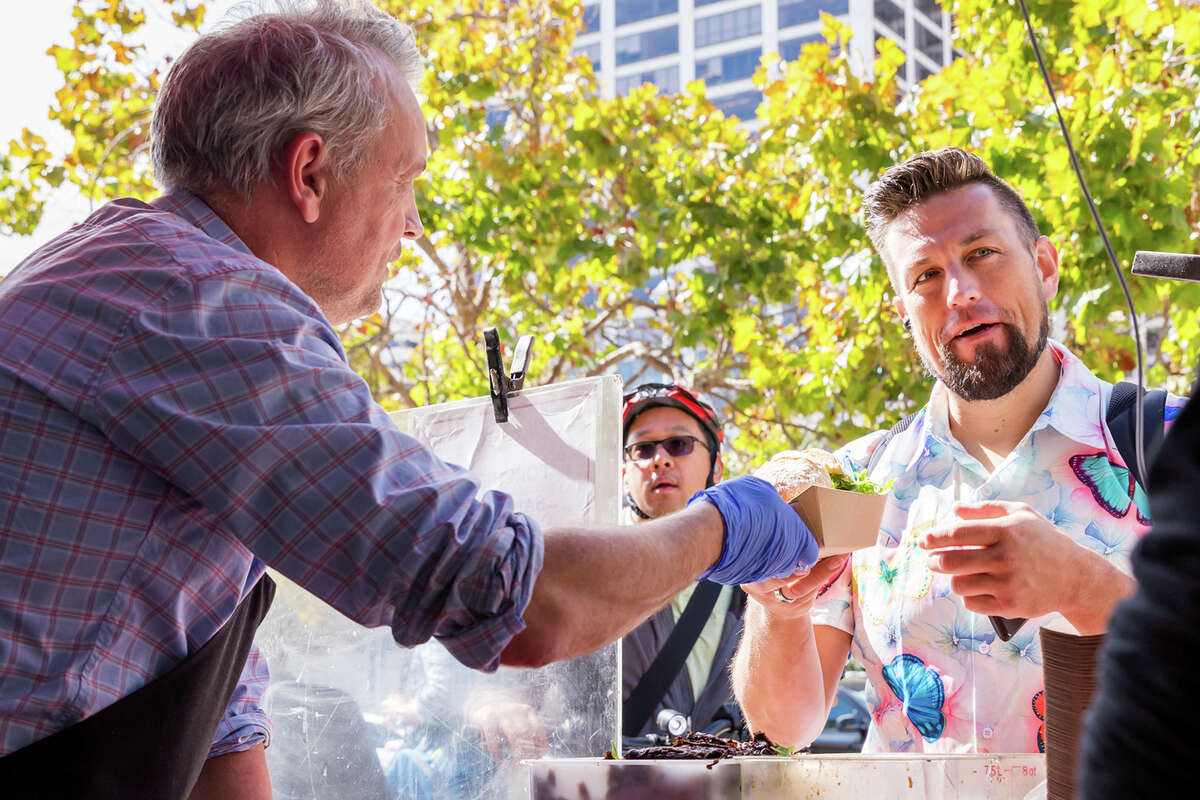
503, 385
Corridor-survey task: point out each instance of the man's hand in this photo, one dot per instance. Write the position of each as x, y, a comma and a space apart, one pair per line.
764, 536
510, 728
786, 669
1004, 559
597, 585
802, 587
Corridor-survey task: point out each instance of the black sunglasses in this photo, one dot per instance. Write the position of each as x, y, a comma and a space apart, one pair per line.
675, 446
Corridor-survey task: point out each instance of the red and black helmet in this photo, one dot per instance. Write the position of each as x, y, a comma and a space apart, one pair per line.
672, 395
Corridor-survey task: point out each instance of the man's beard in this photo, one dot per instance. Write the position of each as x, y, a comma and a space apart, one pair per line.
996, 371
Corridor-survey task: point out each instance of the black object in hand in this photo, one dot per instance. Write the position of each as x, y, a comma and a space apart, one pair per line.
1006, 628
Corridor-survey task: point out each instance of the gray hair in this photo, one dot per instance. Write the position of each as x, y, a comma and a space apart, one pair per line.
231, 103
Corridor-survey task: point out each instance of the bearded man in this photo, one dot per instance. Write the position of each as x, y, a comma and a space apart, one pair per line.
1010, 497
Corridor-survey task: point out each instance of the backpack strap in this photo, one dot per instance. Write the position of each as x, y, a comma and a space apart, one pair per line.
898, 428
1122, 406
654, 682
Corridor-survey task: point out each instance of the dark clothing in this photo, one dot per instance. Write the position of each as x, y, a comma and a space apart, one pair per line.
640, 647
1140, 738
151, 743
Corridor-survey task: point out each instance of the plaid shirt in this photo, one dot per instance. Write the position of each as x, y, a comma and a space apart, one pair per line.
174, 413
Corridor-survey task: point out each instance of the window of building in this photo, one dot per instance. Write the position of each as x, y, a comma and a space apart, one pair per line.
591, 18
592, 51
698, 3
648, 44
921, 72
927, 42
930, 8
890, 14
634, 10
790, 49
665, 78
728, 26
798, 12
741, 105
727, 68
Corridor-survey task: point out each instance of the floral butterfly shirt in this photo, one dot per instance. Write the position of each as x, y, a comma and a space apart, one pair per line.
939, 679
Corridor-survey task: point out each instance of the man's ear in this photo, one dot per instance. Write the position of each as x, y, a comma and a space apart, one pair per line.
305, 174
718, 469
1046, 258
898, 307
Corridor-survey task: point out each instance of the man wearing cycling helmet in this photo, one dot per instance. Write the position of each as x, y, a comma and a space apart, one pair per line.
672, 450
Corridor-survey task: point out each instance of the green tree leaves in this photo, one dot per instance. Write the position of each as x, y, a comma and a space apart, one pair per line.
649, 229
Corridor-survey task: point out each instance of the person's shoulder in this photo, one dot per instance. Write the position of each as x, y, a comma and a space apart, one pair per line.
859, 451
1105, 390
1173, 406
869, 450
128, 247
195, 249
189, 249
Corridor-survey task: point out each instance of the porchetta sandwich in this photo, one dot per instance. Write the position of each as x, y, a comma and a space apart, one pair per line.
793, 471
840, 522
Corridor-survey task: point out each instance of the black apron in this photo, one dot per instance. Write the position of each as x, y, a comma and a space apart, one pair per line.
150, 744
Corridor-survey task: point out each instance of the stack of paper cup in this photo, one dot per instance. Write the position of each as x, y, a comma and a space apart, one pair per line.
1069, 670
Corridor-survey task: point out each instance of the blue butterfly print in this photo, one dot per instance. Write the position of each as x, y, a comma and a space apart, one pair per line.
1022, 468
920, 689
1076, 397
1111, 485
905, 490
963, 634
934, 456
1023, 645
1106, 544
1064, 515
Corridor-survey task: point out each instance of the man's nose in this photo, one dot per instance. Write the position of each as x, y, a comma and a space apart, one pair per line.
962, 287
413, 229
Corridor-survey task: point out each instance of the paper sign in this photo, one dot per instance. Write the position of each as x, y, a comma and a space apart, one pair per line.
556, 455
357, 716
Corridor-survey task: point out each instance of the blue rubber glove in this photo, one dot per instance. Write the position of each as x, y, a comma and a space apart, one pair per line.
764, 536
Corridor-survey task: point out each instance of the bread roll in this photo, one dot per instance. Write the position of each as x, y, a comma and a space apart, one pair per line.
823, 458
793, 471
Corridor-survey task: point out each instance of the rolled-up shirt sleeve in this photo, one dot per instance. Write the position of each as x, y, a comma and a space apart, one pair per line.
245, 724
241, 398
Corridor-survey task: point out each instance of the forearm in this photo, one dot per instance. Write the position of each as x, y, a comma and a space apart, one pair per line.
1094, 591
596, 585
235, 776
778, 678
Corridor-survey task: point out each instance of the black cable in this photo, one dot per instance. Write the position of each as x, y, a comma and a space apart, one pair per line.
1139, 423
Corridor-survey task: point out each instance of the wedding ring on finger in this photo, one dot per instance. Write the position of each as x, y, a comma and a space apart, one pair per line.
783, 598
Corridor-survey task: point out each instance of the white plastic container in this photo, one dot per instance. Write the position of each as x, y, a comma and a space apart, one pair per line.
1008, 776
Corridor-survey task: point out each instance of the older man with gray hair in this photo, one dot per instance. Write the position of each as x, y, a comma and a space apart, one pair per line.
177, 413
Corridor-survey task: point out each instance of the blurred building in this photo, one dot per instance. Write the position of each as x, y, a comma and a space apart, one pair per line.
670, 43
